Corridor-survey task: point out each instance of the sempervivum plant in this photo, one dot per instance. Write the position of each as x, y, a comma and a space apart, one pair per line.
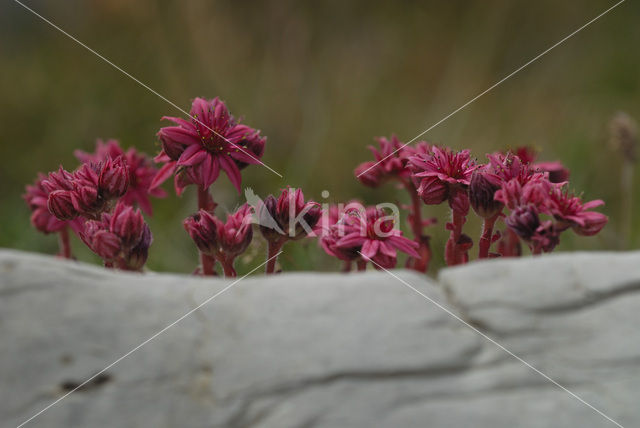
93, 199
521, 201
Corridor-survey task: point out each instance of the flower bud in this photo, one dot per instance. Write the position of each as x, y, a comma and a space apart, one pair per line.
105, 244
114, 178
431, 190
558, 173
546, 236
127, 224
137, 257
270, 227
60, 204
168, 139
202, 227
58, 180
87, 201
524, 221
482, 189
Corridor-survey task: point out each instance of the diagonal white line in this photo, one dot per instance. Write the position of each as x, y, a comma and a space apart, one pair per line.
148, 340
145, 86
494, 342
498, 83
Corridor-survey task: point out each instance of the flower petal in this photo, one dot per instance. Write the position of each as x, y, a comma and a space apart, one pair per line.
370, 248
193, 155
230, 167
404, 244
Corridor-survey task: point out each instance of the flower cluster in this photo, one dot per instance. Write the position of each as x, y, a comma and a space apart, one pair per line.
533, 193
121, 238
79, 200
220, 240
519, 199
286, 218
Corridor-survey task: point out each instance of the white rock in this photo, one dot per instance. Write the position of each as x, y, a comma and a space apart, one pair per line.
326, 350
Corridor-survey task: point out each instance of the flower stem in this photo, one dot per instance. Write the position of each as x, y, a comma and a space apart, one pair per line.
487, 236
273, 249
347, 266
63, 242
416, 211
205, 202
453, 255
227, 267
415, 222
362, 265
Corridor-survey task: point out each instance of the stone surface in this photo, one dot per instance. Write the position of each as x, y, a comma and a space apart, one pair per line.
330, 350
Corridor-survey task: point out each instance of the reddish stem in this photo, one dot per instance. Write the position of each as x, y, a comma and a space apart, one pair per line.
64, 244
421, 264
205, 202
347, 266
416, 211
273, 249
227, 267
362, 265
453, 255
487, 237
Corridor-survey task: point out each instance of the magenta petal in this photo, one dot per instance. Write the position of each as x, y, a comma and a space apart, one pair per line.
210, 170
370, 248
180, 135
179, 121
232, 171
351, 240
162, 175
593, 204
193, 155
387, 250
242, 155
404, 244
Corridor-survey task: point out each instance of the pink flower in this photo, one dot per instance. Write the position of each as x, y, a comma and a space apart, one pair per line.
210, 141
571, 212
141, 172
557, 173
370, 235
390, 161
438, 175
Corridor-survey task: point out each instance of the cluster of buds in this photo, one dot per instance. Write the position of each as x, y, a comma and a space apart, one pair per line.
286, 218
121, 238
87, 191
220, 240
80, 200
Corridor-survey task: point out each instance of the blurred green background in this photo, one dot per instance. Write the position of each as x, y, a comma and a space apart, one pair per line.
320, 79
